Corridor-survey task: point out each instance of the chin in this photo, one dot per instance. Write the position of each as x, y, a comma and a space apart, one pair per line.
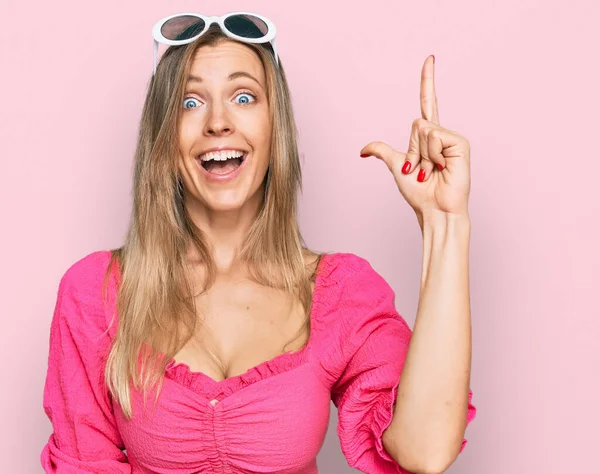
227, 200
224, 206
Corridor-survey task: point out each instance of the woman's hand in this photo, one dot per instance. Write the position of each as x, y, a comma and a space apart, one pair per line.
434, 174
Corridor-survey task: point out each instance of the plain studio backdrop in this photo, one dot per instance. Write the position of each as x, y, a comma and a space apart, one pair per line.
519, 79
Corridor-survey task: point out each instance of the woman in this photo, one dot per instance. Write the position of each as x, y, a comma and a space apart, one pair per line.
216, 312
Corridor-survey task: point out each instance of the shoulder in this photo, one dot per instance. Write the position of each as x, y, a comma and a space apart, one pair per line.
350, 272
355, 291
86, 272
81, 293
347, 261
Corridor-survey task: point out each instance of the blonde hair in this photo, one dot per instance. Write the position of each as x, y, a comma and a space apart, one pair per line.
155, 300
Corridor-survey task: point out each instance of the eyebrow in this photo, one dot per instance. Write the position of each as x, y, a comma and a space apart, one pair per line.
232, 76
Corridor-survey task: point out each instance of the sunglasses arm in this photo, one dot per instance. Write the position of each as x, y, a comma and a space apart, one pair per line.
155, 54
275, 51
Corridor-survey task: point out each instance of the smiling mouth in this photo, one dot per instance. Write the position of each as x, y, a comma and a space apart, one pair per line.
222, 167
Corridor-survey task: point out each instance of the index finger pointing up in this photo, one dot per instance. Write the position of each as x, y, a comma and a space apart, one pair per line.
429, 108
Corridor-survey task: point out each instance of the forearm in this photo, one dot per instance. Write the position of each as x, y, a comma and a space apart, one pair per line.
428, 424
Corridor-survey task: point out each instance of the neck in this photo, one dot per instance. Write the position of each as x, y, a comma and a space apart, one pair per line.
225, 230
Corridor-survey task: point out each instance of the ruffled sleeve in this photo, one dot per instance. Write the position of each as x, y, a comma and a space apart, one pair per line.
85, 437
373, 347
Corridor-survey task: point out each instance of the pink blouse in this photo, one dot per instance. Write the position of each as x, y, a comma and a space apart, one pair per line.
273, 418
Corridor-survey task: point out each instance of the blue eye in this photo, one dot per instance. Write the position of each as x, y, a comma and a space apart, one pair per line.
188, 103
245, 100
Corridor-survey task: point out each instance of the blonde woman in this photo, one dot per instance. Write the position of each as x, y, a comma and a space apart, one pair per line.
214, 340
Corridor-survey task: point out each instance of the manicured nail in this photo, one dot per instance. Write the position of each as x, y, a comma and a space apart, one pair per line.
440, 167
433, 59
421, 176
406, 167
363, 155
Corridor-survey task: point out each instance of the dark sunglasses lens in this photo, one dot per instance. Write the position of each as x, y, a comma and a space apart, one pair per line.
246, 26
182, 27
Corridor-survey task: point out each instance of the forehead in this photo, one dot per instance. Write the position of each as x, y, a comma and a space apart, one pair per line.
218, 62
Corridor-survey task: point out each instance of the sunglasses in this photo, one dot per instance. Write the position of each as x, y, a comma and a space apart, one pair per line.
183, 28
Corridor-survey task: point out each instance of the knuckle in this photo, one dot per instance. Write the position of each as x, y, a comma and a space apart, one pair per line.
435, 133
412, 155
418, 123
463, 141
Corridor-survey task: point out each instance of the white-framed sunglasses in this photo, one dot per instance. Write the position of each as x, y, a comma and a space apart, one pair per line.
183, 28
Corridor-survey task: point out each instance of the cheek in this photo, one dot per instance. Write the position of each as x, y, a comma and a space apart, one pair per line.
188, 133
262, 132
186, 142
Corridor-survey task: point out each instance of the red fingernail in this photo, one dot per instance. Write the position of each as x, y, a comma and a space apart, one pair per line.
433, 59
406, 167
421, 176
363, 155
440, 167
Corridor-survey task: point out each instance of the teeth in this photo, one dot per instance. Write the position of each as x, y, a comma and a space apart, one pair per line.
221, 155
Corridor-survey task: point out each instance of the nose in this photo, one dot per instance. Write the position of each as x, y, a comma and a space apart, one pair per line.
218, 122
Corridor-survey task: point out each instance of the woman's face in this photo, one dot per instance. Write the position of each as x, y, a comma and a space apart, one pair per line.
225, 110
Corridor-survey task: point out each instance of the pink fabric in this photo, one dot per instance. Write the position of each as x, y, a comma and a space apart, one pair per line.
273, 418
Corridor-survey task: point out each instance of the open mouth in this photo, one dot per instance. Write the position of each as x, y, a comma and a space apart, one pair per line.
223, 167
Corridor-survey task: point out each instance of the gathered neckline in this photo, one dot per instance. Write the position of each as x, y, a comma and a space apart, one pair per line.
212, 389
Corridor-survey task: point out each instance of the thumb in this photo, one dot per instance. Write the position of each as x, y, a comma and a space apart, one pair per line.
391, 157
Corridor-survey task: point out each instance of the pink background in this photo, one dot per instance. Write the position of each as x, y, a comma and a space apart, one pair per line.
519, 79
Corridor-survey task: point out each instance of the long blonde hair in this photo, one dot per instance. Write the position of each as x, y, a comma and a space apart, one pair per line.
155, 302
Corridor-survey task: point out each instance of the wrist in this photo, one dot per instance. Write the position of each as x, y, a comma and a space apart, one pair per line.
445, 236
435, 218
